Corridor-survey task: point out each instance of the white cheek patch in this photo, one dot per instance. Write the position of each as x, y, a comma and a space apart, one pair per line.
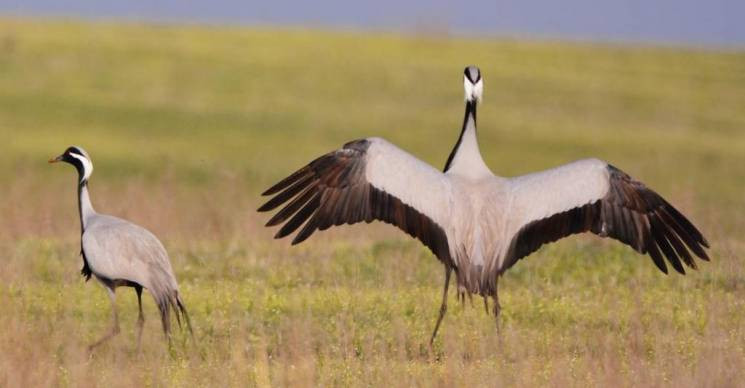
468, 86
473, 92
478, 89
87, 166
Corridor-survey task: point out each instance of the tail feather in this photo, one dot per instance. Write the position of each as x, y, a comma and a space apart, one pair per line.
174, 304
185, 314
164, 305
166, 301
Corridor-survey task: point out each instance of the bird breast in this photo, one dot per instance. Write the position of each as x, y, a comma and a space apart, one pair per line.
478, 221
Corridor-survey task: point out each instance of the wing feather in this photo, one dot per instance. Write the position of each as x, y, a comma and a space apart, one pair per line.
593, 196
366, 180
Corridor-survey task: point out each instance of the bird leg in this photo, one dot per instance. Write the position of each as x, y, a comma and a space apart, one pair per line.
444, 306
114, 329
486, 304
140, 318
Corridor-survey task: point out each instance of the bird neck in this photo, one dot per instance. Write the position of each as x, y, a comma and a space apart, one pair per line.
84, 205
465, 159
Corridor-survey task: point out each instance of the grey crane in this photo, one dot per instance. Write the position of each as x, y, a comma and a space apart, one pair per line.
476, 223
119, 253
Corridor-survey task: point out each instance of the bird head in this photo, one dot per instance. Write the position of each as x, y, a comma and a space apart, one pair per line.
78, 158
473, 84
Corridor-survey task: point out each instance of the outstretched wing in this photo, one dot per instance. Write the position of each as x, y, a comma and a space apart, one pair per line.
591, 195
366, 180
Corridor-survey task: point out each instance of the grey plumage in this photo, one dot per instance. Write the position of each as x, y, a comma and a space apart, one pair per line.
119, 253
476, 223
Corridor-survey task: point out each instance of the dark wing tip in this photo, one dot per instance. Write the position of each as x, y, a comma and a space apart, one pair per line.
300, 238
289, 180
654, 253
301, 192
281, 234
705, 243
276, 188
669, 234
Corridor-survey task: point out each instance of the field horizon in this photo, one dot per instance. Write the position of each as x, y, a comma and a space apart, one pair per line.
187, 125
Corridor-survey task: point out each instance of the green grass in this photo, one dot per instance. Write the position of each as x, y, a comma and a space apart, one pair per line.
187, 125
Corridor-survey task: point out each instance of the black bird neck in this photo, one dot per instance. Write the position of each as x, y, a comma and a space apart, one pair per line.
470, 115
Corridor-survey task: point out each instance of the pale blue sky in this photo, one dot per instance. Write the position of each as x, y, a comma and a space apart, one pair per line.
687, 22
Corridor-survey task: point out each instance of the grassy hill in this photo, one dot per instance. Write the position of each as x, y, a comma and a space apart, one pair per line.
187, 125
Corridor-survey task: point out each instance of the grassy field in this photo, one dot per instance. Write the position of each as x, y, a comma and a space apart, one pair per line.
187, 125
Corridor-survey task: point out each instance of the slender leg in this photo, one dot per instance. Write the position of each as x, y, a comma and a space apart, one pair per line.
114, 329
486, 304
140, 318
444, 306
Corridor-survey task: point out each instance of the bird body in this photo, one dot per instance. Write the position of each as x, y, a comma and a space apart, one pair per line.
476, 223
119, 253
120, 250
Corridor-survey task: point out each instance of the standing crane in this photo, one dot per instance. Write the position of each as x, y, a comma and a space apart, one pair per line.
476, 223
119, 253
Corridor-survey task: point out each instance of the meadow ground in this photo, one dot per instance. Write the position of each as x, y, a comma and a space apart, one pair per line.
187, 125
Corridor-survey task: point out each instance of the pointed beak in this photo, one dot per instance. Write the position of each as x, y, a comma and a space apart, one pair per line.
55, 160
